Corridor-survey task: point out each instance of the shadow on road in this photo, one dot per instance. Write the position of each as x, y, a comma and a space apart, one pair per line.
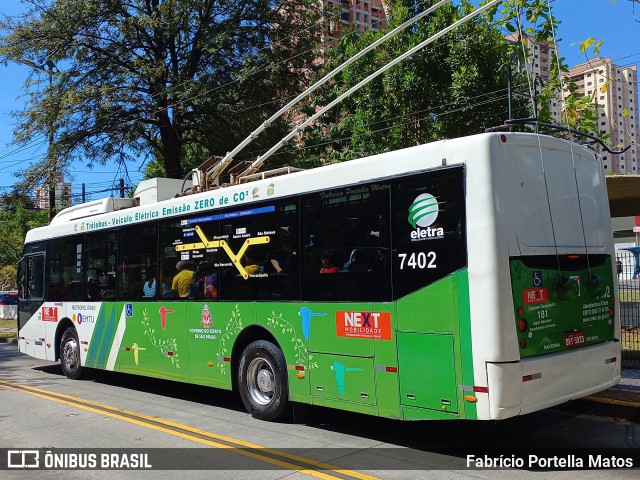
551, 428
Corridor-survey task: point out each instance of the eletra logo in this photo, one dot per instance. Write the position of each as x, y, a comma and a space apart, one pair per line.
423, 212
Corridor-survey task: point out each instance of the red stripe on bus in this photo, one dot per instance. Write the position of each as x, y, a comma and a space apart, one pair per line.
533, 376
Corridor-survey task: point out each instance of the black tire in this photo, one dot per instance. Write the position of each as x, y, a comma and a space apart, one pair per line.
262, 380
70, 354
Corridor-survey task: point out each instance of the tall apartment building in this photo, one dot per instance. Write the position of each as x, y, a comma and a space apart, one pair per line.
615, 89
343, 14
539, 59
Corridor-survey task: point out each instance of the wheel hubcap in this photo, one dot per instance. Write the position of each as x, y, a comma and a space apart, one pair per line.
70, 354
261, 380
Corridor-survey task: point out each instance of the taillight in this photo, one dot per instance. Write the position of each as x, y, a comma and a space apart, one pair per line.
522, 325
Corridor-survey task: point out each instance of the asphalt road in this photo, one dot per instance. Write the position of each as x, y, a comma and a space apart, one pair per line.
41, 409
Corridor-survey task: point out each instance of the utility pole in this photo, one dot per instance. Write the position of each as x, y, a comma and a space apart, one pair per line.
48, 67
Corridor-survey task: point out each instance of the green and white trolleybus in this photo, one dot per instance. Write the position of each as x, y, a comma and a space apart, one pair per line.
463, 279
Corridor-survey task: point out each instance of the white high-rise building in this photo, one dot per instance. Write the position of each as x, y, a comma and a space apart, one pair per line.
539, 60
615, 89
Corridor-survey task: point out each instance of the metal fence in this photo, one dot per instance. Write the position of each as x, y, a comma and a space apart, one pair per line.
629, 302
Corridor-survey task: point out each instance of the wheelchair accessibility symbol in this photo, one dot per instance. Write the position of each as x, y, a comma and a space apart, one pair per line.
537, 278
129, 309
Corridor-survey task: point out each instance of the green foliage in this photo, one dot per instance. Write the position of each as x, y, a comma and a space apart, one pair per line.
453, 88
16, 219
192, 156
8, 277
117, 81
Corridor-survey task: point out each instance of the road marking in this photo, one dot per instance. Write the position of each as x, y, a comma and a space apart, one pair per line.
233, 445
612, 401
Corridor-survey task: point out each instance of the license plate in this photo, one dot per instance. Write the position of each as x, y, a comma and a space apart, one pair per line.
574, 339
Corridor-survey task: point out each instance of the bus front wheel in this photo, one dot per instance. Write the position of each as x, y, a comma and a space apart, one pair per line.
70, 354
262, 379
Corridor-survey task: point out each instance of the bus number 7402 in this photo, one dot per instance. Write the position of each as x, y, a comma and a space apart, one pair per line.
418, 260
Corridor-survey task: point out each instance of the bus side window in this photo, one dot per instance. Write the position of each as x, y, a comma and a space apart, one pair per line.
64, 269
99, 264
31, 277
172, 234
137, 263
346, 234
269, 267
428, 228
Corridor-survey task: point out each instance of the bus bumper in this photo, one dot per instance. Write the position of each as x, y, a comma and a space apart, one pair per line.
536, 383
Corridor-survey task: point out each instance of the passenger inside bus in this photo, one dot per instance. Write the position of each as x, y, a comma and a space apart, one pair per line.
181, 283
166, 286
289, 260
196, 291
250, 263
381, 262
211, 285
93, 289
328, 262
149, 287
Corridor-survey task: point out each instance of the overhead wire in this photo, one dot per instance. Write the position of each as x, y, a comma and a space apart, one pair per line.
206, 91
211, 90
222, 86
248, 76
428, 114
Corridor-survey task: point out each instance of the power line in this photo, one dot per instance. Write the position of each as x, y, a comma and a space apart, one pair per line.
242, 78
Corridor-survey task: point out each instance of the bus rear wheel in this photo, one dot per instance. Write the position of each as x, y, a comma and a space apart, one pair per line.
70, 354
262, 379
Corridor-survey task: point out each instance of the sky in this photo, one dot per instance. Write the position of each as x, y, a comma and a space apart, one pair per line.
617, 24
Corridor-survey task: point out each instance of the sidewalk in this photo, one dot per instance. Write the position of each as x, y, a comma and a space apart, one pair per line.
621, 401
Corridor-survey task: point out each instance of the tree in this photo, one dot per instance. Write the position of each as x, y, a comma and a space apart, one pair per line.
115, 79
452, 88
17, 217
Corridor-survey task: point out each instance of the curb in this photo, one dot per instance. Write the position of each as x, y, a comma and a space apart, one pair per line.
616, 403
8, 339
